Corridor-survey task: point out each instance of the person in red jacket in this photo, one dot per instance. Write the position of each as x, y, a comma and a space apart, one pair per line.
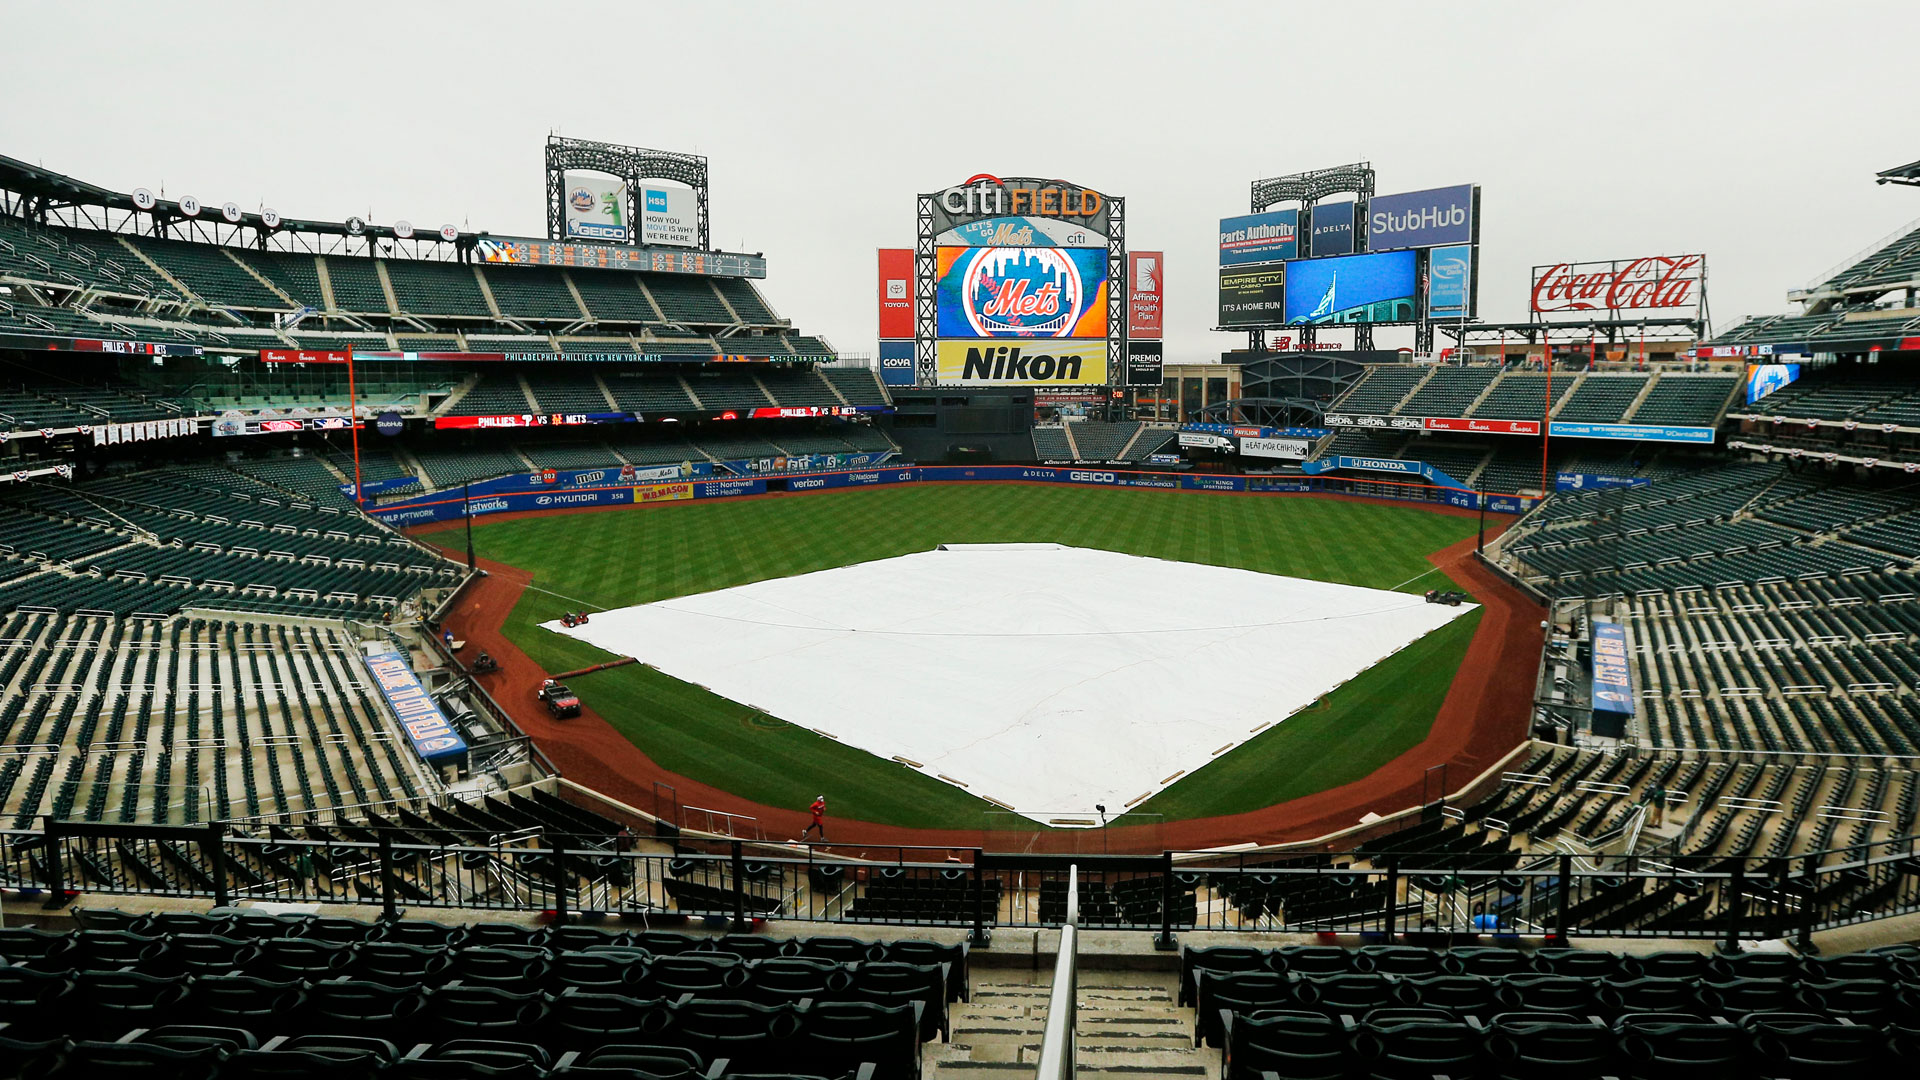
819, 809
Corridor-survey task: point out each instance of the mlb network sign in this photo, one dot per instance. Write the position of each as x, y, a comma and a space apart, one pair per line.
1422, 218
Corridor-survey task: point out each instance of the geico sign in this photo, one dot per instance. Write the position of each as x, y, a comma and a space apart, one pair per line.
1092, 477
989, 196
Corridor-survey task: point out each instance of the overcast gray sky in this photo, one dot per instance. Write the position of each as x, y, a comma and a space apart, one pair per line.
1746, 130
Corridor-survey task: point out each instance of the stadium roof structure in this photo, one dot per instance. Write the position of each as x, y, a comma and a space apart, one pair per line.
45, 197
34, 192
1851, 309
1900, 174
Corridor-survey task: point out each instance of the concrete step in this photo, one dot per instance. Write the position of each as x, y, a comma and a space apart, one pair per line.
981, 1070
1130, 1022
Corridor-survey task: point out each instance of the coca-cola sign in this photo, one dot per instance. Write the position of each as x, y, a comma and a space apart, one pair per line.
1654, 283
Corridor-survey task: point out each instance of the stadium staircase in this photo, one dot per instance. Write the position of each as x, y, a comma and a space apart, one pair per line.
325, 278
1126, 451
1071, 443
732, 312
1129, 1024
162, 272
486, 294
1478, 401
386, 284
1561, 403
1412, 390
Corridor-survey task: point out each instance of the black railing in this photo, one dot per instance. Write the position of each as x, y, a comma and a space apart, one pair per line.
733, 881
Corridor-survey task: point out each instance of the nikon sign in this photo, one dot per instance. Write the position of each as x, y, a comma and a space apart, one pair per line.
1029, 363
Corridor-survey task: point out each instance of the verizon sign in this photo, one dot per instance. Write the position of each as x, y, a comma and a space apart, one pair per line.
1655, 283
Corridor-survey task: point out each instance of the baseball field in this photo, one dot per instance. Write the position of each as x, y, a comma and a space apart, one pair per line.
610, 559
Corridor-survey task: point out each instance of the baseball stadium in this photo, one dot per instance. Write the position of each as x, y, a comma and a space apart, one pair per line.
438, 652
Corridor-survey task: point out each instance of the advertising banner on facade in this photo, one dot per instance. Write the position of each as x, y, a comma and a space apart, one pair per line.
1021, 232
596, 209
433, 738
1330, 231
1574, 481
1272, 236
1764, 379
985, 196
1655, 283
233, 422
529, 420
1427, 218
896, 362
1146, 271
1565, 429
1024, 363
1297, 449
1388, 465
1253, 296
1352, 289
527, 251
1359, 420
896, 292
1202, 441
1146, 363
1256, 431
1022, 292
1486, 427
669, 216
1612, 675
1450, 284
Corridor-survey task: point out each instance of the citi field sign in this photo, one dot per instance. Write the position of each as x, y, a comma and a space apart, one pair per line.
985, 195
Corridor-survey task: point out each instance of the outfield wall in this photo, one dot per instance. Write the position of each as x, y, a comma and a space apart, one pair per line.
512, 498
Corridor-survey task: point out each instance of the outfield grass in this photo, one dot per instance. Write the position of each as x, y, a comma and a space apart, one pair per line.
618, 558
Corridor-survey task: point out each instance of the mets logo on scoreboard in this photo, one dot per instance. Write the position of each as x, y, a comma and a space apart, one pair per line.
1022, 292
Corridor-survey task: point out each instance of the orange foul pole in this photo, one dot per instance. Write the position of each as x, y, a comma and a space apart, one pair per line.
353, 429
1546, 407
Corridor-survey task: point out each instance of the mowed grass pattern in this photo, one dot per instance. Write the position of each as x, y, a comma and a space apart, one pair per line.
618, 558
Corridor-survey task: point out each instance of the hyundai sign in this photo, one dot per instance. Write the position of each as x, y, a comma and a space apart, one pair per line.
1422, 218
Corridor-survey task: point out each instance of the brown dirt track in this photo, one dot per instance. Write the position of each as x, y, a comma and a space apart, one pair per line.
1483, 717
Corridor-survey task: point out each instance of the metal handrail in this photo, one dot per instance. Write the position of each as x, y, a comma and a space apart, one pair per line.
1057, 1045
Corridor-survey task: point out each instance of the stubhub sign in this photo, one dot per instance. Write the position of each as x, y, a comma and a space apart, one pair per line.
1422, 218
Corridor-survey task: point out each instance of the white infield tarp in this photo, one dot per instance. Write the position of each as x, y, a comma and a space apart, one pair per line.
1046, 678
